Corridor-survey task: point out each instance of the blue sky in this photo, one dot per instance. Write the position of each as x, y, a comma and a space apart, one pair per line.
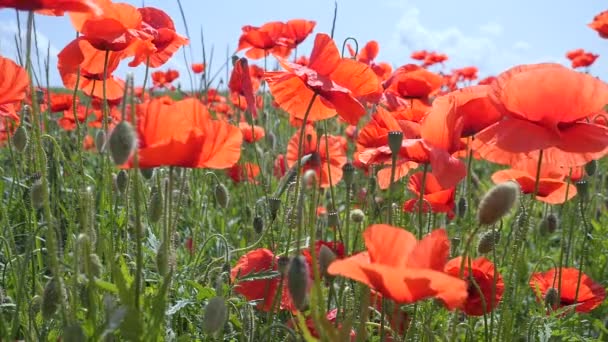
492, 35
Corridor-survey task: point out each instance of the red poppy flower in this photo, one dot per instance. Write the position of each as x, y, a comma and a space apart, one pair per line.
584, 61
590, 293
482, 271
419, 55
183, 134
241, 84
552, 187
548, 105
52, 7
60, 102
334, 246
280, 166
368, 54
439, 199
433, 58
486, 81
258, 261
600, 24
68, 120
403, 269
296, 31
246, 172
337, 82
413, 81
263, 40
331, 318
319, 160
465, 74
198, 68
476, 108
251, 133
14, 83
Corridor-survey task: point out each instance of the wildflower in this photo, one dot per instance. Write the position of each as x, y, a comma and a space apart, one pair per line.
497, 202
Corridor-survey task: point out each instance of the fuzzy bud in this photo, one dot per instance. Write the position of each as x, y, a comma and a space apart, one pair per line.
147, 173
348, 173
274, 204
357, 215
326, 257
258, 224
298, 277
309, 179
591, 167
163, 259
51, 298
488, 241
38, 193
155, 208
283, 265
552, 297
100, 141
122, 181
20, 139
394, 141
222, 197
95, 265
549, 224
497, 202
122, 142
215, 316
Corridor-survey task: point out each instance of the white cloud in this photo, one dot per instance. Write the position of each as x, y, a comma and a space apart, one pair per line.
494, 29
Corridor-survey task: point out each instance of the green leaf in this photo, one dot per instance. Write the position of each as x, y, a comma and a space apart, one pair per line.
264, 275
180, 304
106, 286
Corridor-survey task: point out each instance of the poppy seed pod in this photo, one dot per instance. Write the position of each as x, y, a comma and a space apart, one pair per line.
333, 220
326, 257
51, 298
357, 215
552, 297
283, 265
222, 197
497, 202
20, 139
122, 142
488, 241
38, 193
582, 188
549, 224
215, 315
122, 180
591, 167
298, 277
95, 265
274, 204
100, 141
258, 224
155, 208
395, 138
348, 173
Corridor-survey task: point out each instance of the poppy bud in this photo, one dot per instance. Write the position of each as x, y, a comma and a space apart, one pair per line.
95, 265
274, 204
39, 194
35, 304
298, 277
552, 297
497, 202
488, 241
51, 298
147, 173
165, 259
122, 142
73, 333
20, 139
122, 180
348, 173
357, 215
283, 265
582, 188
326, 257
549, 224
234, 59
221, 195
461, 208
333, 220
155, 208
258, 224
100, 141
591, 167
215, 316
394, 141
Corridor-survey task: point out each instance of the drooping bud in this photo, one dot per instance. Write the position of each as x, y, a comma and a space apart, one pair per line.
497, 202
162, 259
155, 208
51, 298
326, 257
20, 139
258, 224
39, 194
357, 215
395, 138
100, 141
552, 297
147, 173
215, 316
591, 167
222, 196
348, 173
549, 224
274, 204
122, 142
298, 278
488, 241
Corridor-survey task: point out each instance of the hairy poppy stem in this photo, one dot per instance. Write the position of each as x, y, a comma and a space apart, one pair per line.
425, 170
390, 187
584, 248
565, 243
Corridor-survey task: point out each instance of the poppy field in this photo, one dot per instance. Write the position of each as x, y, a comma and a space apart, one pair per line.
313, 195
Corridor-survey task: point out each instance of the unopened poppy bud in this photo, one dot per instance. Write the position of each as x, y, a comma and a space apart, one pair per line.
283, 265
222, 197
51, 297
258, 224
122, 180
155, 208
73, 333
274, 204
488, 241
122, 142
39, 194
552, 297
298, 277
326, 257
497, 202
234, 59
147, 173
309, 179
582, 188
333, 220
395, 138
20, 139
348, 173
164, 259
100, 141
549, 224
95, 265
271, 139
215, 316
461, 208
591, 167
357, 215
